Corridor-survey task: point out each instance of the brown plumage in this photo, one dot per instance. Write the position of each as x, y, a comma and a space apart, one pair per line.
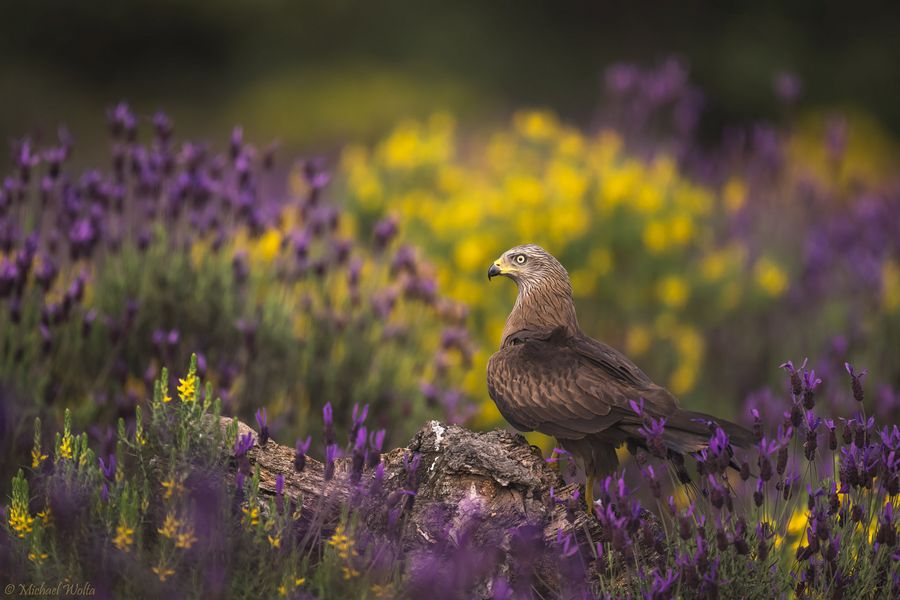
550, 377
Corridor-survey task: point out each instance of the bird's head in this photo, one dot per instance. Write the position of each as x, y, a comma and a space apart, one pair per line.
531, 267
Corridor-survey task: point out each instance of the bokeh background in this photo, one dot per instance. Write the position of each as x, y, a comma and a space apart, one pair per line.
315, 74
720, 181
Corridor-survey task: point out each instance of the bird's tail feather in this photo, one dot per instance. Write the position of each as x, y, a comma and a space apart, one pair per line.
687, 432
697, 424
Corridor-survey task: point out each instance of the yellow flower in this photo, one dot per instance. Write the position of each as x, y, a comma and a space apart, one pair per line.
251, 515
637, 340
568, 182
525, 189
171, 486
673, 291
689, 342
170, 527
37, 557
340, 542
187, 388
714, 265
734, 195
167, 398
65, 446
349, 572
267, 246
770, 277
681, 229
37, 458
471, 253
656, 238
571, 143
124, 537
648, 200
44, 516
399, 151
299, 581
275, 542
282, 590
186, 538
797, 523
683, 379
796, 527
383, 591
20, 520
163, 572
536, 125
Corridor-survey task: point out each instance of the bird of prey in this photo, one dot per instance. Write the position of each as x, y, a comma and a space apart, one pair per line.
548, 376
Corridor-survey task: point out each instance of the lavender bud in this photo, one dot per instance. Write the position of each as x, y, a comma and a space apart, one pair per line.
300, 451
262, 423
782, 460
330, 455
856, 382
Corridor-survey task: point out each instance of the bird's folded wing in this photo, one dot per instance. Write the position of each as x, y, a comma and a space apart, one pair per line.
564, 386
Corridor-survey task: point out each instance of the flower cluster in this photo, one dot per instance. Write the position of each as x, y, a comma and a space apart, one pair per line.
809, 510
108, 273
635, 233
672, 246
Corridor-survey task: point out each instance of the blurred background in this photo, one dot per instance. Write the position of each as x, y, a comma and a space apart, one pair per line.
721, 183
315, 74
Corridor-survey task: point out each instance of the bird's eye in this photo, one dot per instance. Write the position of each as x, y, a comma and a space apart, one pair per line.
520, 259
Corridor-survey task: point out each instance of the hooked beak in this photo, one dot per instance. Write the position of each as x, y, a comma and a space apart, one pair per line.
494, 271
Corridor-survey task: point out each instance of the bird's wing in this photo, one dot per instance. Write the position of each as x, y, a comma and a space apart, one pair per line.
563, 386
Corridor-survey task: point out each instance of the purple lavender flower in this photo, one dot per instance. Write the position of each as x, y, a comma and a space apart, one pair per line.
621, 78
162, 126
652, 431
856, 382
404, 261
9, 275
358, 461
330, 455
887, 532
328, 420
279, 492
637, 407
243, 445
358, 418
237, 142
384, 231
300, 451
376, 442
108, 468
811, 443
122, 122
25, 159
262, 423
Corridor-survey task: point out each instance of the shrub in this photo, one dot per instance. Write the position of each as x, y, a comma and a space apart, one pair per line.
694, 258
175, 509
107, 275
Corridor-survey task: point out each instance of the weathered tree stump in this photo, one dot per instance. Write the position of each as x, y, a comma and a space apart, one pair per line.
497, 473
